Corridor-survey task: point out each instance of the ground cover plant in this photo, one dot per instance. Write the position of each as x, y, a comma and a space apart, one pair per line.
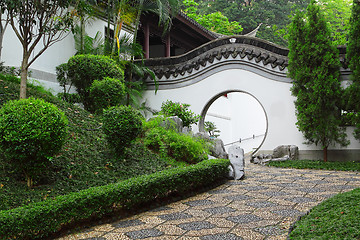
335, 218
317, 164
84, 161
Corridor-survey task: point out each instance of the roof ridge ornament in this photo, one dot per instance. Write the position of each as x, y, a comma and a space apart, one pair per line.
253, 32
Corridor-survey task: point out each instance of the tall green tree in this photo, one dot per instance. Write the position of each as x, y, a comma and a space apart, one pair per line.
34, 22
353, 56
315, 68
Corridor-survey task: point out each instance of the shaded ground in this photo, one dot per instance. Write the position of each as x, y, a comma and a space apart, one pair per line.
262, 206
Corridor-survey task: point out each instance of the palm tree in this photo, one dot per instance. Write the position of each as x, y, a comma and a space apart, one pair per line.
165, 9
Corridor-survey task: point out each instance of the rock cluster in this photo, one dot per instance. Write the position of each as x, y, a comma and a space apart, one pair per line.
280, 153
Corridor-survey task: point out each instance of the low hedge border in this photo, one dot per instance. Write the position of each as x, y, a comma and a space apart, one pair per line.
40, 219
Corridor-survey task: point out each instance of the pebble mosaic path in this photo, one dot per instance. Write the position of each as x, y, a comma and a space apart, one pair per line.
262, 206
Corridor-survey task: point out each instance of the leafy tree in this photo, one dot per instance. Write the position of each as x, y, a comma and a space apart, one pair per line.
35, 22
274, 16
250, 13
170, 108
215, 21
84, 44
337, 13
353, 55
314, 66
211, 128
83, 13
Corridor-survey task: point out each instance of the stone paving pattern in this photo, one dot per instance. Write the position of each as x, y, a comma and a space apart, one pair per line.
262, 206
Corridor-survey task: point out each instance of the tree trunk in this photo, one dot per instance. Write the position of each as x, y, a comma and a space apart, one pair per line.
29, 180
23, 75
1, 41
82, 33
325, 154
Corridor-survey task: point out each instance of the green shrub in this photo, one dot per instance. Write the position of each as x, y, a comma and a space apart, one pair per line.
181, 110
40, 219
121, 125
70, 97
181, 147
107, 93
83, 70
31, 132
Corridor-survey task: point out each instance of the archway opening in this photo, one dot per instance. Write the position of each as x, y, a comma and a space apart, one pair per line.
240, 118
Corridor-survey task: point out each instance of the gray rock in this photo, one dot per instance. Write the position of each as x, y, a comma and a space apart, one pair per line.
284, 158
202, 135
281, 153
186, 130
294, 152
218, 149
170, 123
236, 156
286, 150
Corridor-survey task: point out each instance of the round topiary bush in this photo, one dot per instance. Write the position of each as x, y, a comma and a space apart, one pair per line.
31, 131
107, 93
122, 125
83, 70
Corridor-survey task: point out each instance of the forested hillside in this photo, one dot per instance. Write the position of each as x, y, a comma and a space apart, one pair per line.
274, 15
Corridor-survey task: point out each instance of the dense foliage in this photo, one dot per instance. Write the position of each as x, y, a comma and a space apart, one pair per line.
32, 131
107, 93
83, 70
170, 143
214, 21
122, 125
38, 220
274, 16
353, 56
314, 66
84, 161
170, 108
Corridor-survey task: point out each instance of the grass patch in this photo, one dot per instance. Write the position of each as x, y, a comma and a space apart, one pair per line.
317, 164
335, 218
84, 161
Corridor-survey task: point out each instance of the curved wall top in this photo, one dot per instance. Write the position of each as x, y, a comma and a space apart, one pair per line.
248, 53
234, 64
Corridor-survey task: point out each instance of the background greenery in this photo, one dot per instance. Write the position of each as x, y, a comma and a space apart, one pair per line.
275, 16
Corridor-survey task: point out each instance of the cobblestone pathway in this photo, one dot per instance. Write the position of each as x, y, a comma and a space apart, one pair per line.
262, 206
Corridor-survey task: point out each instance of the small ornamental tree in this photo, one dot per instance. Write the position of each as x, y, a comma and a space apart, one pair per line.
37, 25
353, 56
122, 125
314, 66
170, 108
31, 132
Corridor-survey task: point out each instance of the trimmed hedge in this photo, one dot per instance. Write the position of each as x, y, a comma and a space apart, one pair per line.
40, 219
